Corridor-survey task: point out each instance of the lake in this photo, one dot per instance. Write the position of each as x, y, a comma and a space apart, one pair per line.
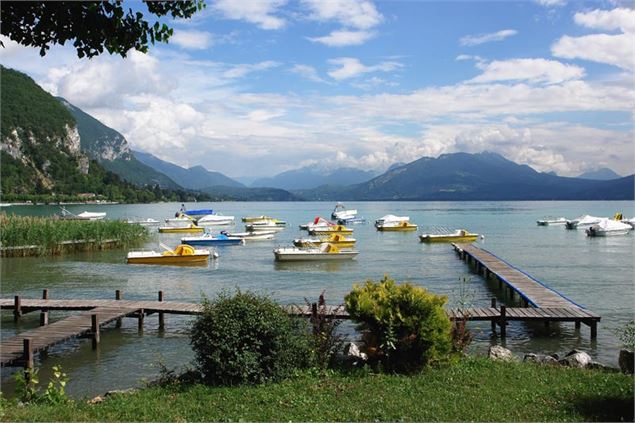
597, 273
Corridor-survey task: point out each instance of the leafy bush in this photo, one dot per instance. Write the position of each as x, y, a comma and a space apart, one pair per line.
27, 389
626, 335
405, 327
248, 339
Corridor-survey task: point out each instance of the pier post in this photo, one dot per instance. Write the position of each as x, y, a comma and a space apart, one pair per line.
94, 327
118, 297
493, 304
577, 325
44, 314
17, 308
161, 314
502, 322
594, 329
141, 316
314, 317
27, 353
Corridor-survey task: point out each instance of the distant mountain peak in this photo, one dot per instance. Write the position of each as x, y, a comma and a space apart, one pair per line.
600, 174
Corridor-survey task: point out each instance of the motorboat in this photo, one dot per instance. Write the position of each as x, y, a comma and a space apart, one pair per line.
328, 230
317, 222
460, 235
180, 220
182, 254
403, 226
198, 212
215, 220
351, 220
181, 230
609, 227
630, 221
323, 253
391, 218
551, 221
209, 239
268, 222
253, 227
249, 219
86, 215
583, 222
251, 236
147, 222
338, 240
340, 212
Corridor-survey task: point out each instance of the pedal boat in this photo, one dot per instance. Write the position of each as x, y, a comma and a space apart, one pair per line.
209, 239
251, 236
551, 222
326, 252
338, 240
182, 254
403, 226
460, 235
250, 219
192, 229
328, 230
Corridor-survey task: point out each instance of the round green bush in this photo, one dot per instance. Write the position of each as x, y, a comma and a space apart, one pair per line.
247, 339
405, 327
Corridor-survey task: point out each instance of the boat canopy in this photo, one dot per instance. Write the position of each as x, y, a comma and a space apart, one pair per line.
393, 218
198, 212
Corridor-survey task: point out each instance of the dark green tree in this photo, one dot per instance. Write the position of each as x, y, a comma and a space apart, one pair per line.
93, 25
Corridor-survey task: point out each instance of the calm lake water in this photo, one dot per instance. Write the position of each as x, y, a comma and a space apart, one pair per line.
595, 272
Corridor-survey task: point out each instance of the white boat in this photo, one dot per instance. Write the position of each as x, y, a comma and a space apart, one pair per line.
630, 221
326, 252
608, 227
147, 222
180, 221
583, 222
215, 220
251, 236
91, 215
551, 221
340, 212
268, 222
391, 218
264, 228
318, 223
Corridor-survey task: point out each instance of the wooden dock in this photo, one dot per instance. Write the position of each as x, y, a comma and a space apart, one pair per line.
539, 301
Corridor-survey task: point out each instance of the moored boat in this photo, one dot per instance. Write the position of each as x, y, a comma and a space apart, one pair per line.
215, 220
182, 254
198, 212
351, 220
323, 253
327, 230
340, 212
608, 227
181, 230
317, 222
255, 227
249, 219
551, 221
147, 222
392, 223
339, 240
252, 236
209, 239
86, 215
583, 222
391, 218
460, 235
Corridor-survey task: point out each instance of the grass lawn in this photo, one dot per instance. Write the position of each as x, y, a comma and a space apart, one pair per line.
473, 390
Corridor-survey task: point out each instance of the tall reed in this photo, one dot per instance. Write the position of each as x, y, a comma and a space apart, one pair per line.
49, 233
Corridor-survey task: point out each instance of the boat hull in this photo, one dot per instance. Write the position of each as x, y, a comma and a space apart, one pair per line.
342, 255
160, 259
177, 230
203, 242
593, 233
339, 244
447, 238
410, 228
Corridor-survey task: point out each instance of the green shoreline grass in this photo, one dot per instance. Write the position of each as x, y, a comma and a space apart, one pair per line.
475, 389
48, 233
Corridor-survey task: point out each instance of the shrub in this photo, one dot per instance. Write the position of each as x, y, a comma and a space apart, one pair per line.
405, 327
247, 339
325, 341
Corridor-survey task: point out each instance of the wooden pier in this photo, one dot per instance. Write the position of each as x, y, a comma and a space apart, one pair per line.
540, 302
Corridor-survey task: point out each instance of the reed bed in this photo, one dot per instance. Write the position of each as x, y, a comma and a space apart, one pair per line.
51, 235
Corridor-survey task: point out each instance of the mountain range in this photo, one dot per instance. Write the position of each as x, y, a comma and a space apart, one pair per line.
51, 146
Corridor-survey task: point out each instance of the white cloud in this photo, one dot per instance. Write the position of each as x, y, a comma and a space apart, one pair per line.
194, 40
308, 72
343, 38
552, 3
239, 71
349, 67
617, 50
260, 12
472, 40
360, 14
619, 18
531, 70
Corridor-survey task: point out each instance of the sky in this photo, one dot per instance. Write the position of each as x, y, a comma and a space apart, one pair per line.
256, 87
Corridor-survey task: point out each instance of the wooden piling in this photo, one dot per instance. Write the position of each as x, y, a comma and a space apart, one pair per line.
94, 328
44, 314
161, 314
27, 354
493, 304
140, 322
17, 308
594, 329
502, 322
118, 298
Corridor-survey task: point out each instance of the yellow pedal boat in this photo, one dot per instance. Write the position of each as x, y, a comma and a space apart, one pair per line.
328, 230
182, 254
339, 240
460, 235
403, 226
192, 229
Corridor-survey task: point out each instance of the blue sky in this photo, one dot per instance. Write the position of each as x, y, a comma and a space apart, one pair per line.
253, 88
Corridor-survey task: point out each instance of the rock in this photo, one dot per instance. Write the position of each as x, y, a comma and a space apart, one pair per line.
556, 356
599, 366
352, 351
626, 361
572, 352
576, 359
496, 352
541, 359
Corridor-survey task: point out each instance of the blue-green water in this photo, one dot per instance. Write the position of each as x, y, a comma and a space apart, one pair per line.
595, 272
